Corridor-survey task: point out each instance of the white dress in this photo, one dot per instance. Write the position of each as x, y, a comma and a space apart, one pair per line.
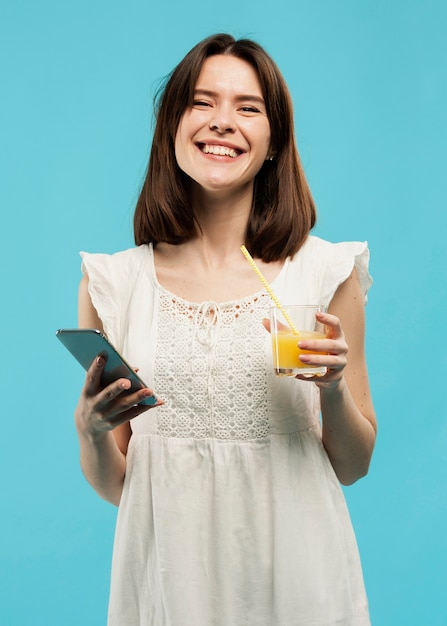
231, 514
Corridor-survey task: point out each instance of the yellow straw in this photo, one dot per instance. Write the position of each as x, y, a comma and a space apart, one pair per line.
270, 291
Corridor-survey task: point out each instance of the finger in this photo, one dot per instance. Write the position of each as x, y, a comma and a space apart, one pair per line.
279, 326
121, 409
327, 346
266, 324
327, 318
129, 414
332, 373
111, 392
111, 400
327, 360
332, 323
93, 378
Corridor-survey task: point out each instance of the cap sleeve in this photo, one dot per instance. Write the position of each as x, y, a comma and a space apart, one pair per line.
103, 289
111, 282
344, 257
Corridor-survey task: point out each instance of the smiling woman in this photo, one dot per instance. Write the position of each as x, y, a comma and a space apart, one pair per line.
223, 140
164, 210
230, 505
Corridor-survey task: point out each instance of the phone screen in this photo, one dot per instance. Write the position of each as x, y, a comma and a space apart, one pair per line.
85, 344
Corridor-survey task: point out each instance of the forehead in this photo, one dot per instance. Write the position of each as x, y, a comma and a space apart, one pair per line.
228, 73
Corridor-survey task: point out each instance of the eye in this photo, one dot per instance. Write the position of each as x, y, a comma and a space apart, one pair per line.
200, 103
249, 109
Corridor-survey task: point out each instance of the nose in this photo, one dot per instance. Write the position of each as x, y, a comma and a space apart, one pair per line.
222, 121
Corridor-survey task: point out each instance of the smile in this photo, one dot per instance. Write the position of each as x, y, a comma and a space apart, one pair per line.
219, 150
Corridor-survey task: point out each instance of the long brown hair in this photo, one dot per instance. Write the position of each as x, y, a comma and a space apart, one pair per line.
283, 211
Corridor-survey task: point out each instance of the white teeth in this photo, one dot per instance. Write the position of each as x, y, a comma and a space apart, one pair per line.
219, 150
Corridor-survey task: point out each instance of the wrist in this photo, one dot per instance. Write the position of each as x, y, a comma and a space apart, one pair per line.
92, 437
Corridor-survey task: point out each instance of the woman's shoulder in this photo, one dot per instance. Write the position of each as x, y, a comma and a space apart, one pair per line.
328, 264
316, 245
320, 254
129, 254
112, 281
123, 261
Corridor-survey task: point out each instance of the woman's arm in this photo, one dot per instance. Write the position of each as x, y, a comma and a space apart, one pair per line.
102, 417
348, 417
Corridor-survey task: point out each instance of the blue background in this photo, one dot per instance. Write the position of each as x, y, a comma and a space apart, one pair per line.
369, 85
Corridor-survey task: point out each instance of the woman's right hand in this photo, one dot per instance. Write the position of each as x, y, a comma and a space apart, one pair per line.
100, 410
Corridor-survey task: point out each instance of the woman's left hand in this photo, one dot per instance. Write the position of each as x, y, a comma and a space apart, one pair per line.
334, 350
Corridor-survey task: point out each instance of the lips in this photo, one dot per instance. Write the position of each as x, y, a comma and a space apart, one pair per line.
219, 150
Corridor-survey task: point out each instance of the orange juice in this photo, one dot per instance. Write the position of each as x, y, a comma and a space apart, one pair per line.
286, 351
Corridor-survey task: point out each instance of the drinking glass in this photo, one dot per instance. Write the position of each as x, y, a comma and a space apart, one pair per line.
289, 325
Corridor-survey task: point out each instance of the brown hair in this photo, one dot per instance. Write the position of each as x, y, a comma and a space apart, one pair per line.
283, 210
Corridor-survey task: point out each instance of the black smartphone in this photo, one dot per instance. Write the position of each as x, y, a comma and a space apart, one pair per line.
85, 344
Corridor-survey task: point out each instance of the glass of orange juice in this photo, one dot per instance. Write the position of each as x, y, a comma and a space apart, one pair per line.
289, 325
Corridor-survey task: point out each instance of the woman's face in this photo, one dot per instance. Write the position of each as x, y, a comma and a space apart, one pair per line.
224, 138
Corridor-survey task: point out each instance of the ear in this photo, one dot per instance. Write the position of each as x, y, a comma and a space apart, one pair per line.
270, 154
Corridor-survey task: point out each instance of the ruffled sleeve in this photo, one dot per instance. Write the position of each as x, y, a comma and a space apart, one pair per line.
342, 259
315, 272
111, 281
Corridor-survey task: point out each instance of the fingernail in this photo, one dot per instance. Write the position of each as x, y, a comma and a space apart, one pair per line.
99, 361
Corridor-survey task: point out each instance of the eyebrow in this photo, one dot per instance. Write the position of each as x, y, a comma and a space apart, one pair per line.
239, 97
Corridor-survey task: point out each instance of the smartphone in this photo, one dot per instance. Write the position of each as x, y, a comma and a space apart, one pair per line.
85, 344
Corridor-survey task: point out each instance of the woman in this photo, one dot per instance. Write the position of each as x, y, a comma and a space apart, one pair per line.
230, 506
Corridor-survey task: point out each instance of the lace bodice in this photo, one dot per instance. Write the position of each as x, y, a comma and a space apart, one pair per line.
211, 362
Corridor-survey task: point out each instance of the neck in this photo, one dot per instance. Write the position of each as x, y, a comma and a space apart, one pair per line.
222, 218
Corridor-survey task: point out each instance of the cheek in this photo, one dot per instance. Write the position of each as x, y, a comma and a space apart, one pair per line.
183, 138
264, 138
179, 146
265, 151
